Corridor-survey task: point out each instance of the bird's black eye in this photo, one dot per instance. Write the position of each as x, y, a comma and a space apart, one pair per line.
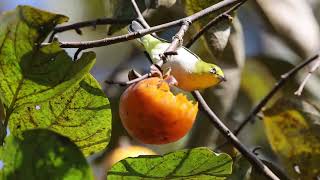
213, 70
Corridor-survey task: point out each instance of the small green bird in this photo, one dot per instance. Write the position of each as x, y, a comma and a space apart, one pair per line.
188, 69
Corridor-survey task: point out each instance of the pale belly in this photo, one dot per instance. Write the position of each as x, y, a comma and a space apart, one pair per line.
182, 66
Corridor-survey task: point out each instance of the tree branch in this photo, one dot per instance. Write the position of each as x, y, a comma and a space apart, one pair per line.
93, 23
212, 23
140, 16
176, 42
130, 36
145, 76
284, 78
252, 158
314, 67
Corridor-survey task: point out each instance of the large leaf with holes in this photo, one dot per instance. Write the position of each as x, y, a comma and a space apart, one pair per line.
292, 128
21, 32
42, 154
82, 113
198, 163
29, 73
43, 87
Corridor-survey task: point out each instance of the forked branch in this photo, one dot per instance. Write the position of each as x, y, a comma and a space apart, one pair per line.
138, 34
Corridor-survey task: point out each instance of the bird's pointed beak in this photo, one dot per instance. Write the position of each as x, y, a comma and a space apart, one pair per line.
222, 78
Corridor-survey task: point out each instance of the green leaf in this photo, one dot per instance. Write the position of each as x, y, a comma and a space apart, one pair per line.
154, 11
292, 128
29, 73
21, 32
198, 163
82, 113
42, 154
194, 6
215, 38
121, 9
241, 168
44, 88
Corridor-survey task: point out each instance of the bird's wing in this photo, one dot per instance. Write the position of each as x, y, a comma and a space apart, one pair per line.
164, 40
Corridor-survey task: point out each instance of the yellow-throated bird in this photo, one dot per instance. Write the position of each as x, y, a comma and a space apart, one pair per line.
190, 71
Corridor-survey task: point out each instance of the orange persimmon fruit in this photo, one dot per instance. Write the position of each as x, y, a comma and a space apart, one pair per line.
152, 114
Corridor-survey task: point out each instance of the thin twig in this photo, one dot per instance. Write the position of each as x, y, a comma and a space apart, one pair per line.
284, 78
254, 151
138, 34
176, 42
76, 54
314, 67
93, 23
145, 76
140, 16
212, 23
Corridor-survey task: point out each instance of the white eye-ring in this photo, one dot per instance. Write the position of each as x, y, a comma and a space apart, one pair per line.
213, 70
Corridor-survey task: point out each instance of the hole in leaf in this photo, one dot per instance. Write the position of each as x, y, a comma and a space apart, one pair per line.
38, 107
297, 169
1, 164
8, 131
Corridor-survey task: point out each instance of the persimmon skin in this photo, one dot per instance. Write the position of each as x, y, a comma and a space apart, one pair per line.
153, 115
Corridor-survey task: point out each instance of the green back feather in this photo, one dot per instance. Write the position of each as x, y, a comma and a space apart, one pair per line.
149, 42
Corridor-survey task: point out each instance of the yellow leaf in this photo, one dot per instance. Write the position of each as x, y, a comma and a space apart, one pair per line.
292, 128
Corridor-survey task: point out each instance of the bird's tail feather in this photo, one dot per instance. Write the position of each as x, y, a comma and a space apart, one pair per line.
146, 40
135, 26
